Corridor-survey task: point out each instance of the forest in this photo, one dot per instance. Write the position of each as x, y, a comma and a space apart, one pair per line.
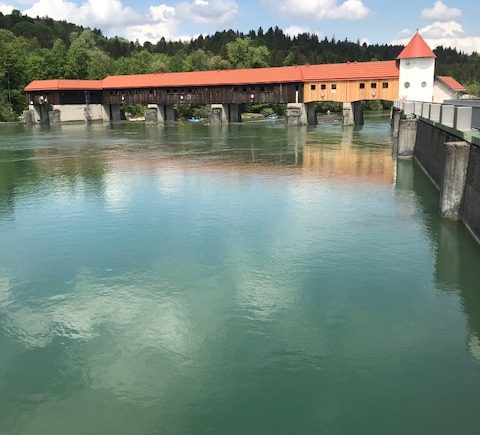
43, 48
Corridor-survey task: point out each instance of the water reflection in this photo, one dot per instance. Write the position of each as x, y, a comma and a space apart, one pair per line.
95, 158
454, 250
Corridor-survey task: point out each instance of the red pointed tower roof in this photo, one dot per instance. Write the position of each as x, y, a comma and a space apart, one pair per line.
416, 48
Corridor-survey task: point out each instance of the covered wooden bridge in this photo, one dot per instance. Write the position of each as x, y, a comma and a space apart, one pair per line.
225, 90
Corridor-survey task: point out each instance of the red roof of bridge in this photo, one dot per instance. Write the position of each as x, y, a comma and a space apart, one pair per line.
416, 48
351, 71
452, 83
289, 74
65, 85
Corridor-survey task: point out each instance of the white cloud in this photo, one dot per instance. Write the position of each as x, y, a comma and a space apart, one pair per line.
208, 11
6, 9
448, 34
162, 12
442, 29
161, 22
324, 9
106, 14
440, 11
293, 31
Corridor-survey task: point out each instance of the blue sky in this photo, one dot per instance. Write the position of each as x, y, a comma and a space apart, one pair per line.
448, 22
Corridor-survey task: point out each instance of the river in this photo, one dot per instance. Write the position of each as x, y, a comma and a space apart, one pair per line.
249, 279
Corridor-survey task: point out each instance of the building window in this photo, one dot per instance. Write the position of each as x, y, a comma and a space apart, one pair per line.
385, 85
262, 88
244, 89
373, 86
424, 84
334, 87
362, 85
323, 87
313, 87
407, 84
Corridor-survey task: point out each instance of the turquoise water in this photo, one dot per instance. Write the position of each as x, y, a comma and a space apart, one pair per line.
249, 279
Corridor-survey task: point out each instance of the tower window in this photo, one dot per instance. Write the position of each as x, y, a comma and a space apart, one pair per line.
362, 85
373, 86
406, 84
385, 85
424, 84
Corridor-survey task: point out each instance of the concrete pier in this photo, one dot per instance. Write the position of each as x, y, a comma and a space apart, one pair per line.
396, 122
348, 118
234, 113
151, 114
353, 113
224, 113
169, 113
296, 114
311, 113
54, 116
407, 134
115, 112
455, 174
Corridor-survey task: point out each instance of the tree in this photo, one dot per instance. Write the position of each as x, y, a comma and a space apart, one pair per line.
79, 55
244, 54
196, 61
99, 65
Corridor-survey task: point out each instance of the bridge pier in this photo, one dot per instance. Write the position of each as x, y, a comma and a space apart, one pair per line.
311, 113
353, 113
40, 113
115, 112
396, 116
155, 114
407, 136
234, 112
457, 156
296, 114
224, 113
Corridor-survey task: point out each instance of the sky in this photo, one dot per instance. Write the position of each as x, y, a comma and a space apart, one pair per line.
452, 23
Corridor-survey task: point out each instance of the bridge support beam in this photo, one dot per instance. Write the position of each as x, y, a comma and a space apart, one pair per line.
224, 113
105, 113
296, 114
40, 113
352, 113
457, 155
311, 113
234, 113
169, 113
396, 122
155, 114
407, 136
115, 112
219, 114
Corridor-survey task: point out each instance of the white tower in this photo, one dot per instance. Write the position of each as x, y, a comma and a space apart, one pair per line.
417, 71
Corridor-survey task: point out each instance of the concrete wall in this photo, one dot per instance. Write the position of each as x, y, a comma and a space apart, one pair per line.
77, 112
415, 72
432, 145
471, 205
430, 150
